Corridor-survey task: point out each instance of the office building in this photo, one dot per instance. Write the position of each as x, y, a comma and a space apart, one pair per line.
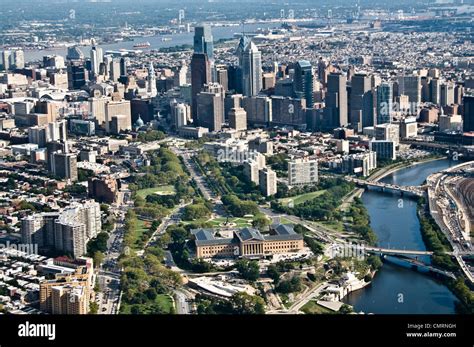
97, 58
468, 113
288, 111
180, 113
446, 94
384, 103
117, 107
74, 53
408, 127
385, 149
410, 86
335, 113
121, 123
203, 40
238, 119
259, 110
304, 82
388, 132
200, 76
77, 76
251, 70
151, 82
210, 107
361, 113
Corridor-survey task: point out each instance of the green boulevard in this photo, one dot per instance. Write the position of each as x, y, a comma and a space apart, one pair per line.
148, 285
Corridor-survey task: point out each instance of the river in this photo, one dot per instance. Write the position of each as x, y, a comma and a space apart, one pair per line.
397, 289
156, 42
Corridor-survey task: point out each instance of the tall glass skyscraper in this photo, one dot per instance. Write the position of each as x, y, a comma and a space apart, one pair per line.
251, 70
304, 82
384, 103
203, 40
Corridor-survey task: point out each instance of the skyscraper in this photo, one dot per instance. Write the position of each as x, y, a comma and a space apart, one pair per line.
335, 112
360, 115
203, 41
468, 114
97, 58
384, 103
210, 107
6, 60
410, 86
200, 75
238, 119
251, 70
304, 82
446, 93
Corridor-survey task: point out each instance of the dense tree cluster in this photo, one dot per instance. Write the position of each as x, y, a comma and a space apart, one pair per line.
249, 270
142, 280
322, 207
239, 208
239, 303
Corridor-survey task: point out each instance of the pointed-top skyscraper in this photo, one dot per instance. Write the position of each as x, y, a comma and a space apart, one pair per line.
251, 69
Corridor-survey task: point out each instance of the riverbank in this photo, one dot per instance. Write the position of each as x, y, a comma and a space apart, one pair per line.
379, 175
399, 227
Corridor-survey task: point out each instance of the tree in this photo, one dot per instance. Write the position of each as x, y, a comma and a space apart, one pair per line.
93, 308
196, 211
98, 258
243, 303
273, 273
260, 222
99, 243
289, 286
374, 262
249, 270
345, 309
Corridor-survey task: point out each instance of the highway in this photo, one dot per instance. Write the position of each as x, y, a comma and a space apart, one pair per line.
444, 210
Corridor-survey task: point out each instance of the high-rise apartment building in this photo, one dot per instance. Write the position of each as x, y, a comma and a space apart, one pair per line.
268, 181
302, 171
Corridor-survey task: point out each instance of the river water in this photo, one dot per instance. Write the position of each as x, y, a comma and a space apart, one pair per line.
397, 289
156, 42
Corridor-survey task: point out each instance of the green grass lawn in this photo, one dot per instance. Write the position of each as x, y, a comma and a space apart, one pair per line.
164, 302
284, 220
165, 190
313, 308
141, 228
299, 199
333, 225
